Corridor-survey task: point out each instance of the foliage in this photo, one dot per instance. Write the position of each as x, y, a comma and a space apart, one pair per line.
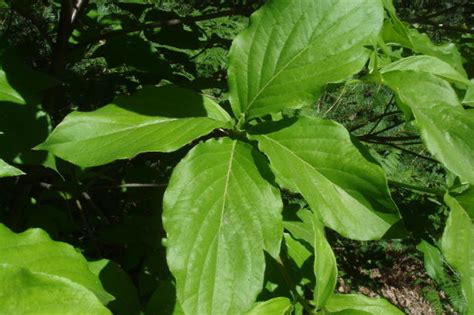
198, 196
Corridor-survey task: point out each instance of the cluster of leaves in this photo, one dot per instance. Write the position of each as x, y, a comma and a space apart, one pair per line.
214, 229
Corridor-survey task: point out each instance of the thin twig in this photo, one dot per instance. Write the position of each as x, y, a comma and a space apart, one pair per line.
388, 128
412, 153
387, 107
158, 24
387, 139
417, 188
130, 185
374, 119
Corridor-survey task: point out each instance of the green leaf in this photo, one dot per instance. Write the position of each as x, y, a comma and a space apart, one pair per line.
18, 82
317, 159
275, 306
356, 304
433, 260
469, 97
34, 250
220, 213
25, 126
427, 64
26, 292
457, 247
396, 32
466, 200
325, 268
7, 92
154, 119
7, 170
117, 283
163, 301
445, 126
297, 251
293, 49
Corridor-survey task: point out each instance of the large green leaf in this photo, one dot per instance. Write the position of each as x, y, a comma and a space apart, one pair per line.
26, 292
35, 251
275, 306
7, 170
220, 213
292, 49
317, 158
356, 304
154, 119
445, 126
457, 246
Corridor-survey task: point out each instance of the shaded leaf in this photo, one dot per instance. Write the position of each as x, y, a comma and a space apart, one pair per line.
117, 283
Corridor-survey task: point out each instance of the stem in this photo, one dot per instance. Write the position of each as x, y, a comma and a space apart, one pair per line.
387, 107
375, 119
442, 26
412, 153
292, 286
417, 188
153, 25
70, 10
385, 139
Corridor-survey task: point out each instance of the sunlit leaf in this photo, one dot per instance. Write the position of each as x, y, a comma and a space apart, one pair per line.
26, 292
445, 126
220, 214
318, 159
457, 246
152, 120
356, 304
275, 306
7, 170
293, 49
35, 251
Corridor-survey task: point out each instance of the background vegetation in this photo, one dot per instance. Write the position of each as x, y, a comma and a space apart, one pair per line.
114, 211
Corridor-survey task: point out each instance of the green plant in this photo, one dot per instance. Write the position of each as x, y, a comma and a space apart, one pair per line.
223, 207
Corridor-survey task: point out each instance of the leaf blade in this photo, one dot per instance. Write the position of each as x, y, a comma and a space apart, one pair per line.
457, 247
135, 124
220, 213
317, 158
298, 46
34, 250
26, 292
